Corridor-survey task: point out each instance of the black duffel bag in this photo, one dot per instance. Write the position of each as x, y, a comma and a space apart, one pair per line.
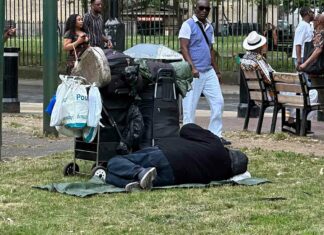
124, 75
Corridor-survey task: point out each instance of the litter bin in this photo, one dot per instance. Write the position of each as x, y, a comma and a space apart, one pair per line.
10, 100
115, 30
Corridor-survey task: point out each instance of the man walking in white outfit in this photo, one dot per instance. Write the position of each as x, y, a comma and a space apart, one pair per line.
196, 38
303, 33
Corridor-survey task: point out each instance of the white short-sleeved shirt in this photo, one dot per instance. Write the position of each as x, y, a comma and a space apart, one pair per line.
185, 30
303, 33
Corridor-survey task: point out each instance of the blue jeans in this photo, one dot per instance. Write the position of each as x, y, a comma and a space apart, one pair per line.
125, 169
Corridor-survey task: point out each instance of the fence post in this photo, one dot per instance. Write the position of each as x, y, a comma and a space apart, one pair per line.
50, 59
2, 14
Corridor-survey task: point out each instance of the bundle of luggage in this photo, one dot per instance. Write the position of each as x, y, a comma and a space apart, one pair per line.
139, 101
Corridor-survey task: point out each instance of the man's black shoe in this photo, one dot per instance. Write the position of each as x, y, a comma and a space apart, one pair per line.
225, 142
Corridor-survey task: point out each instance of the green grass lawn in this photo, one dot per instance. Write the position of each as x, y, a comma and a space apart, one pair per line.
291, 204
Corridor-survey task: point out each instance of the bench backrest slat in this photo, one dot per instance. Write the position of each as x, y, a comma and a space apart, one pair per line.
256, 87
291, 99
295, 88
253, 85
256, 95
250, 74
292, 78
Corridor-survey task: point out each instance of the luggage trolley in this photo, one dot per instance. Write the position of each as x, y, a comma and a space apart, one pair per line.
116, 103
159, 107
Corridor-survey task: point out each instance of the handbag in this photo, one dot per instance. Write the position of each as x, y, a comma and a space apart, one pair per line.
317, 67
76, 57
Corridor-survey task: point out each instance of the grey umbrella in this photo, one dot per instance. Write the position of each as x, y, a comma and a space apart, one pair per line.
153, 51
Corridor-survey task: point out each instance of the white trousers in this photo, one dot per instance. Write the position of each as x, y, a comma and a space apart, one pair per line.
208, 84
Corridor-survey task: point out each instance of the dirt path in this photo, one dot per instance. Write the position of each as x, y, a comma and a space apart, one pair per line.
278, 142
22, 137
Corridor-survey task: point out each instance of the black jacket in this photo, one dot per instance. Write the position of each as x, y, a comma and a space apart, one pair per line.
197, 156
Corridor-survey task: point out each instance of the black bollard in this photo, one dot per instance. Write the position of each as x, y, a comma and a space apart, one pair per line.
114, 28
10, 100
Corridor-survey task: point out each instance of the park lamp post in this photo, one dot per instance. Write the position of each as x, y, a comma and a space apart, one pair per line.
2, 14
50, 60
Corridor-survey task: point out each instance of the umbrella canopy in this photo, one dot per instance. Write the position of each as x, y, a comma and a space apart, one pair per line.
152, 51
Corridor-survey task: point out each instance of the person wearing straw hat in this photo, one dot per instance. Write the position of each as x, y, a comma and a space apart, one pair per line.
255, 45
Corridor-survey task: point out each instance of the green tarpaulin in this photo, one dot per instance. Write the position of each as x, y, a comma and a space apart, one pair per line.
98, 186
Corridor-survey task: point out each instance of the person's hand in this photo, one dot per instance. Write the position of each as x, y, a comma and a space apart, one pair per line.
82, 38
109, 44
300, 68
195, 73
10, 32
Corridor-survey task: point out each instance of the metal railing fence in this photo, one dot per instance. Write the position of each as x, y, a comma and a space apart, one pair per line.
159, 22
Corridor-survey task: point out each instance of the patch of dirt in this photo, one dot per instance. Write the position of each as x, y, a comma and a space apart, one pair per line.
280, 141
23, 123
22, 136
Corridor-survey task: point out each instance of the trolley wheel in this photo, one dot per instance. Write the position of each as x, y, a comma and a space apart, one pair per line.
100, 172
68, 169
103, 164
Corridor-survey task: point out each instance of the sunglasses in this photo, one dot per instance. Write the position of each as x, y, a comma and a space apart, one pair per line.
201, 8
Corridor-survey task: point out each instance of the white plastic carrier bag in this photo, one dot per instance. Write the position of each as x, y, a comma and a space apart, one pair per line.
76, 133
95, 107
74, 107
89, 133
56, 117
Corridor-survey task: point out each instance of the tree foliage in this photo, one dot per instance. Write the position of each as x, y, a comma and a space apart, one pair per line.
290, 6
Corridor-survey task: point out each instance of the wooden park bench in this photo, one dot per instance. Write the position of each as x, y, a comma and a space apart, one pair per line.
292, 91
258, 94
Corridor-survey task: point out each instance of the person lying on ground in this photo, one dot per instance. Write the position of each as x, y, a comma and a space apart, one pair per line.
196, 156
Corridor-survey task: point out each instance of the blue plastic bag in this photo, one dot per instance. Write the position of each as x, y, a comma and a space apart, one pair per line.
50, 106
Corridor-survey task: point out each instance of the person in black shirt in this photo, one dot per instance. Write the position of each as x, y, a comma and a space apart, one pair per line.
93, 24
76, 41
196, 156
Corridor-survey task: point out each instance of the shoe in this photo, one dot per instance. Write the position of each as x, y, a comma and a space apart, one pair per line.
132, 186
225, 142
146, 178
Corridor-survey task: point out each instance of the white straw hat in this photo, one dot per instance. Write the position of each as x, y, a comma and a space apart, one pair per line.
254, 41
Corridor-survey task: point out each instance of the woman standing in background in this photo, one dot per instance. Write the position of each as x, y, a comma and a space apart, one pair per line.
76, 41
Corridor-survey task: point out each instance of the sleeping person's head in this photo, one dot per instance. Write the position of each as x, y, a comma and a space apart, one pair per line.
239, 161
